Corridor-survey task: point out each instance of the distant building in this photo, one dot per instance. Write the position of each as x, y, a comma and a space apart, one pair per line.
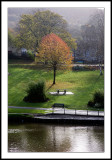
14, 51
23, 51
17, 52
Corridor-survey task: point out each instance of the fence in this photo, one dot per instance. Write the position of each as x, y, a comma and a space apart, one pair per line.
78, 112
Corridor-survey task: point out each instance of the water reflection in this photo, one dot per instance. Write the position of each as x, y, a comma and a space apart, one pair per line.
55, 138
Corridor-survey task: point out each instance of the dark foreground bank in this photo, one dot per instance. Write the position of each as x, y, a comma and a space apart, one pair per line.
57, 118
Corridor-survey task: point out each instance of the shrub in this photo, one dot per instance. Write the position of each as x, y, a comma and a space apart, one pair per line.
85, 68
31, 54
77, 68
98, 100
90, 103
36, 92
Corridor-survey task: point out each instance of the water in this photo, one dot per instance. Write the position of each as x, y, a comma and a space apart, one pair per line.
55, 138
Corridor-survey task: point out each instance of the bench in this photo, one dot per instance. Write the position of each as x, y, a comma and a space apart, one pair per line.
58, 105
60, 90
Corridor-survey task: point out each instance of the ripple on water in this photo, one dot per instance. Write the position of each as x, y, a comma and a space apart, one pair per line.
55, 138
19, 130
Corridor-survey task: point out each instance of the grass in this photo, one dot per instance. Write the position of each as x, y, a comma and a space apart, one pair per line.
17, 110
82, 83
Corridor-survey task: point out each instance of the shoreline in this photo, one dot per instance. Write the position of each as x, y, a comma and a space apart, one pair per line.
57, 119
71, 119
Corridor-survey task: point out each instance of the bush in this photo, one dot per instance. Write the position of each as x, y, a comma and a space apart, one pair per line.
91, 103
98, 100
36, 92
77, 68
31, 54
85, 68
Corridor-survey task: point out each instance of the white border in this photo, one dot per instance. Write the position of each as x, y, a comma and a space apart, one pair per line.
56, 4
100, 4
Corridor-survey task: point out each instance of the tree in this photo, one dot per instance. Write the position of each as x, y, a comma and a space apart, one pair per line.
11, 38
55, 52
98, 21
66, 37
33, 27
88, 42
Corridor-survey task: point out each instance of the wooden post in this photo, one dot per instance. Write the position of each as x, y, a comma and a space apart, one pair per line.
52, 110
64, 110
87, 111
98, 112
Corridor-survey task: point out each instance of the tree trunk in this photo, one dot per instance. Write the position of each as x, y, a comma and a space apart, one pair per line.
100, 69
54, 74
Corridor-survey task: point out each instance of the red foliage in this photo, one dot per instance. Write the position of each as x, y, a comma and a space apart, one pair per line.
54, 50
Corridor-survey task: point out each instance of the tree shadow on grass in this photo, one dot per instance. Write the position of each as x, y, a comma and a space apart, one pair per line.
96, 80
50, 87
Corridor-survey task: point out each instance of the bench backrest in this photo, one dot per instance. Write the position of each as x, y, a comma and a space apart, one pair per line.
61, 90
58, 105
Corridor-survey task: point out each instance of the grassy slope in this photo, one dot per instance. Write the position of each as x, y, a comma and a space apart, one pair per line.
82, 84
17, 110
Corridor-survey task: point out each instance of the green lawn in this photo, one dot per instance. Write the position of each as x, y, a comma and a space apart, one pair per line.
17, 110
82, 83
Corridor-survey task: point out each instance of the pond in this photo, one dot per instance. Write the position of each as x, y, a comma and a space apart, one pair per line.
39, 137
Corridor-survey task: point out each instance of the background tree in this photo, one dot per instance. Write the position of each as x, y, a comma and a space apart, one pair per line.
88, 41
11, 38
33, 27
55, 52
66, 37
98, 21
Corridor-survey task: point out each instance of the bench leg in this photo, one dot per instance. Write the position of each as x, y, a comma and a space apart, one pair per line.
64, 110
52, 110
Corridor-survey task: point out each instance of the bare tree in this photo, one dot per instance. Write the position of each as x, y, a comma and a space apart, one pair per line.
87, 43
98, 21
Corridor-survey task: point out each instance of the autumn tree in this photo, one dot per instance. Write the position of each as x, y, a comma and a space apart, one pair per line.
55, 52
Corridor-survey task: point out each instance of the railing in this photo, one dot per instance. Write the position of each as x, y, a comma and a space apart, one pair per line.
79, 112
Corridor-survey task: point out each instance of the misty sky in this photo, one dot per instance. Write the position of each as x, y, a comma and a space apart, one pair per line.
73, 15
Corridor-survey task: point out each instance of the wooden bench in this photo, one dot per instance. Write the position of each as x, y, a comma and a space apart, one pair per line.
58, 105
61, 90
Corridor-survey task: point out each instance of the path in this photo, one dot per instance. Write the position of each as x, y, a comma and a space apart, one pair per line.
61, 111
